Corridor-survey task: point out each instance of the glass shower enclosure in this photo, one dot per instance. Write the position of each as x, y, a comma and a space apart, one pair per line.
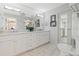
65, 27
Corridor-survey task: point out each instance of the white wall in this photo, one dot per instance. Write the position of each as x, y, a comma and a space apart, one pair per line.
54, 30
75, 30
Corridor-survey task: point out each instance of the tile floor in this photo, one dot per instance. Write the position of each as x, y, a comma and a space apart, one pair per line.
45, 50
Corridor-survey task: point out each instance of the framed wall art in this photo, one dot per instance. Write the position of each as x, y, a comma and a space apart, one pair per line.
53, 21
37, 22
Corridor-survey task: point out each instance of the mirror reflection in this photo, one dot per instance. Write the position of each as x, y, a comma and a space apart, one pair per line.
29, 25
16, 23
10, 24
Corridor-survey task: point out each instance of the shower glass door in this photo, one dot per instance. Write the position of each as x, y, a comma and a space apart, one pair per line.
65, 27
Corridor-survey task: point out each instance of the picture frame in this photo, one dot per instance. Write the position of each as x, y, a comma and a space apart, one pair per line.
53, 21
37, 22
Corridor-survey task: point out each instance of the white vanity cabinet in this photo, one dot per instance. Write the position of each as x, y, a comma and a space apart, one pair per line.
41, 37
16, 43
23, 43
7, 48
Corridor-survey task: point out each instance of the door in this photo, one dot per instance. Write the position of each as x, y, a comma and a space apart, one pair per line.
65, 22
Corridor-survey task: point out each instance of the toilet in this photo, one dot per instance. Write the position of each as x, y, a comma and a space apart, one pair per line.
65, 49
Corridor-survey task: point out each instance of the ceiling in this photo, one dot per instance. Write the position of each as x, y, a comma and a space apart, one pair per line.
32, 8
42, 7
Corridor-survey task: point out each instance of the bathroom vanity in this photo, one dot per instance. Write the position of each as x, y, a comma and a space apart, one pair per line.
19, 42
15, 36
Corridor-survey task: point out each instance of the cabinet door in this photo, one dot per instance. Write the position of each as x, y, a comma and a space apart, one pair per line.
20, 46
41, 38
23, 45
6, 48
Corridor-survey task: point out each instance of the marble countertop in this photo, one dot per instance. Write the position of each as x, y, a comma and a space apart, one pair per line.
15, 33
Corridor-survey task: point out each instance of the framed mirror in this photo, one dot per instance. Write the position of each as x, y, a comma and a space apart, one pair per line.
10, 24
29, 25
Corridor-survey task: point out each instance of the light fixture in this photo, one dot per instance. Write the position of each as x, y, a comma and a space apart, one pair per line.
11, 8
74, 7
39, 15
